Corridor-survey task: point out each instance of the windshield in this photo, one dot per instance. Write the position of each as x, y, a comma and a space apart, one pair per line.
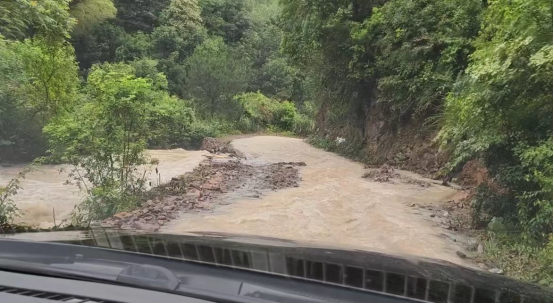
420, 129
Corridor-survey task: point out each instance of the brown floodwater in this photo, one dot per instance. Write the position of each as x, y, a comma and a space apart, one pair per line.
333, 204
44, 196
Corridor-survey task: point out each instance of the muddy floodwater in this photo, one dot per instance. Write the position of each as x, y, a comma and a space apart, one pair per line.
332, 205
44, 196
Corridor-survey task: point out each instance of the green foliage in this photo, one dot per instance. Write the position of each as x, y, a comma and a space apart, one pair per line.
520, 258
38, 81
317, 38
171, 43
181, 30
261, 113
501, 110
228, 19
139, 15
8, 209
415, 49
91, 12
105, 137
134, 46
182, 14
46, 18
99, 44
52, 76
171, 124
214, 76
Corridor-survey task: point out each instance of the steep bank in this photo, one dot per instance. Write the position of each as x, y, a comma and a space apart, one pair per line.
376, 140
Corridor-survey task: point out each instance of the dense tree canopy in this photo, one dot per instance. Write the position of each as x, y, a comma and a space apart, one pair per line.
91, 12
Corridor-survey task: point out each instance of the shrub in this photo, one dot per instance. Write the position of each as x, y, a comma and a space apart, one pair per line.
520, 258
261, 112
170, 123
105, 138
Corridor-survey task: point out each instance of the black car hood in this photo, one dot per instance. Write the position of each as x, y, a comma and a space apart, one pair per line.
419, 278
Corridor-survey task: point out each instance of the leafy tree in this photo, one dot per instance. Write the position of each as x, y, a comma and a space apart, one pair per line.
228, 19
272, 73
169, 41
91, 12
26, 18
261, 112
415, 49
182, 14
139, 15
105, 137
98, 45
134, 46
181, 30
277, 79
214, 76
52, 75
260, 44
501, 110
20, 135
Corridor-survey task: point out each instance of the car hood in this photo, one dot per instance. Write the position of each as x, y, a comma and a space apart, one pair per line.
420, 278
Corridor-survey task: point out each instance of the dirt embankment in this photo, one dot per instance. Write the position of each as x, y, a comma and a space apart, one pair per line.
201, 189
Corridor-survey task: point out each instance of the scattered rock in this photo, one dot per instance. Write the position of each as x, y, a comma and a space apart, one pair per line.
200, 189
122, 215
445, 214
496, 271
461, 254
480, 249
472, 245
411, 205
383, 174
481, 265
145, 226
432, 215
192, 195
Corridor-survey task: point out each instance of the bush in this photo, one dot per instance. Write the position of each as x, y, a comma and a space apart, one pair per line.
303, 125
518, 257
105, 138
8, 209
261, 112
170, 123
201, 129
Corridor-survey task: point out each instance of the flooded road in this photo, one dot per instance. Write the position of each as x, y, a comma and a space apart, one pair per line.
332, 205
44, 195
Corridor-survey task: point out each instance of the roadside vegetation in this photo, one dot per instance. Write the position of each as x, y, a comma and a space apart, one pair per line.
94, 83
474, 76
